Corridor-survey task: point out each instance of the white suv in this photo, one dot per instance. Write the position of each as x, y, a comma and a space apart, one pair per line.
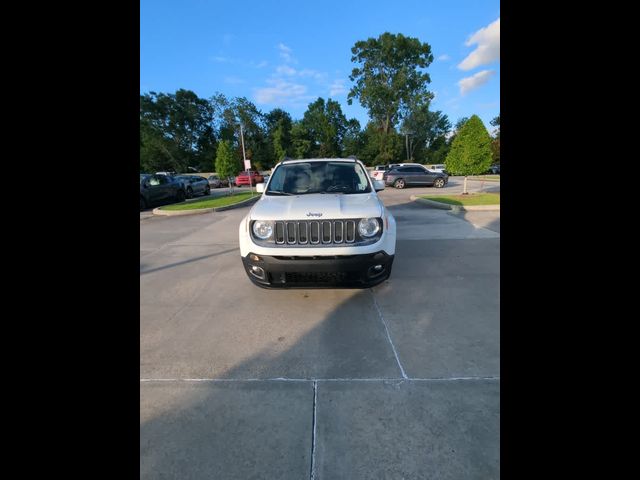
319, 222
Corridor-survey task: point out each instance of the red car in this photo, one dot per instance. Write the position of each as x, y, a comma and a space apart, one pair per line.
251, 179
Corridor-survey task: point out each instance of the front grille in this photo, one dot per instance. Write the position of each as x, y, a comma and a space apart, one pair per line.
316, 277
315, 232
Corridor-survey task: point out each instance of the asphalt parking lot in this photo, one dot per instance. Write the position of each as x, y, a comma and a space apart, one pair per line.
398, 381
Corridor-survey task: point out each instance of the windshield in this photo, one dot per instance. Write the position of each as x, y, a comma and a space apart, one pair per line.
319, 177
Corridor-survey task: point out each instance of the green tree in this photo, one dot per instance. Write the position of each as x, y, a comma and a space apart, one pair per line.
226, 161
460, 123
421, 128
177, 130
495, 143
353, 140
470, 152
325, 126
300, 140
380, 148
278, 126
389, 79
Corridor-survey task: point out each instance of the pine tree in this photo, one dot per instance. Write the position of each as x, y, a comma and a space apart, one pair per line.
470, 152
226, 163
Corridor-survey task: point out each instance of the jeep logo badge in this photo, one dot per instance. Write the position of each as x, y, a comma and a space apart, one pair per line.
311, 214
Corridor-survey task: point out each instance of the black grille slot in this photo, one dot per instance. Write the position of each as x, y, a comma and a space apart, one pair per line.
279, 232
303, 235
315, 232
350, 227
291, 232
326, 232
338, 235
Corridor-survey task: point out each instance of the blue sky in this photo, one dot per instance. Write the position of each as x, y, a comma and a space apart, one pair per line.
286, 53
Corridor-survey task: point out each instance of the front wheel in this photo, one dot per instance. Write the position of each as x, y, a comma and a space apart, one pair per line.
180, 196
439, 183
189, 192
207, 190
399, 183
143, 204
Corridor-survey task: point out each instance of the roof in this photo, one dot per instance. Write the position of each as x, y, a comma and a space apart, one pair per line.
306, 160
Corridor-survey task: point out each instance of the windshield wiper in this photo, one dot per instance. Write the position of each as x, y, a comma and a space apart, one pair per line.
278, 192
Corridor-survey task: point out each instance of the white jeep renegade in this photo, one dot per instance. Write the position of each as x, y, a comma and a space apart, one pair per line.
319, 222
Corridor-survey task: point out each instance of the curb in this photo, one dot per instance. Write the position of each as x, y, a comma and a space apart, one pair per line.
243, 203
455, 208
198, 211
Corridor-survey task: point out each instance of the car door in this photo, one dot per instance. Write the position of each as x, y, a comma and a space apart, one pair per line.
427, 177
167, 188
155, 189
415, 176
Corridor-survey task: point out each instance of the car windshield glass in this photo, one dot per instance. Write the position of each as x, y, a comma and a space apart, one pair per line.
319, 177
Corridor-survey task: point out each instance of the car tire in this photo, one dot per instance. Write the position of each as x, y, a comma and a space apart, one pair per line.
189, 192
438, 182
143, 204
207, 190
399, 183
180, 196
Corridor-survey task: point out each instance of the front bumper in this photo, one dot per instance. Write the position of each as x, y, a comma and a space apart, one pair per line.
350, 271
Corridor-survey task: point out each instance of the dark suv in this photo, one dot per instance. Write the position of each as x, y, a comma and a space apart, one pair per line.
158, 189
414, 176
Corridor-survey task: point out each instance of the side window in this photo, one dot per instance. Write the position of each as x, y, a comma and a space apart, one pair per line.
163, 179
363, 183
153, 181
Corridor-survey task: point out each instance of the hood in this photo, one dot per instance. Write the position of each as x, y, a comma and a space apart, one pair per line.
330, 205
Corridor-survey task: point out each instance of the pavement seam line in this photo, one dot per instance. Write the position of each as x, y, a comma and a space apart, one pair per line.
404, 375
281, 379
312, 472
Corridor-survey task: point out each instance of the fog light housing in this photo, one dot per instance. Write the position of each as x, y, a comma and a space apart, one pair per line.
254, 257
257, 272
375, 270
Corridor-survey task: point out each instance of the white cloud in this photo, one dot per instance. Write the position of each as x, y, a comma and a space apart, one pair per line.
285, 53
474, 81
318, 76
220, 59
285, 70
488, 50
337, 88
444, 57
281, 92
262, 64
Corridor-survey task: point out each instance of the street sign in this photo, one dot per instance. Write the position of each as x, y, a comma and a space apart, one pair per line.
247, 164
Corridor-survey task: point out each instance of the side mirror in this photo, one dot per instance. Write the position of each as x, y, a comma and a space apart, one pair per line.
378, 185
259, 187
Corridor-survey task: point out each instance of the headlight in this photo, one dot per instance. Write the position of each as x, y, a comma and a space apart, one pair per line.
262, 229
368, 227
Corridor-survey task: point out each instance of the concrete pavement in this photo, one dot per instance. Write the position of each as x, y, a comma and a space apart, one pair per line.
398, 381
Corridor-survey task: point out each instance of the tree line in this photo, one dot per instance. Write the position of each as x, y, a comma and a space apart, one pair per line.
182, 132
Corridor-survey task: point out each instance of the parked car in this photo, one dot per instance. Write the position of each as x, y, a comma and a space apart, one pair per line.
319, 222
494, 169
214, 181
159, 189
378, 171
194, 185
437, 167
251, 179
410, 176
